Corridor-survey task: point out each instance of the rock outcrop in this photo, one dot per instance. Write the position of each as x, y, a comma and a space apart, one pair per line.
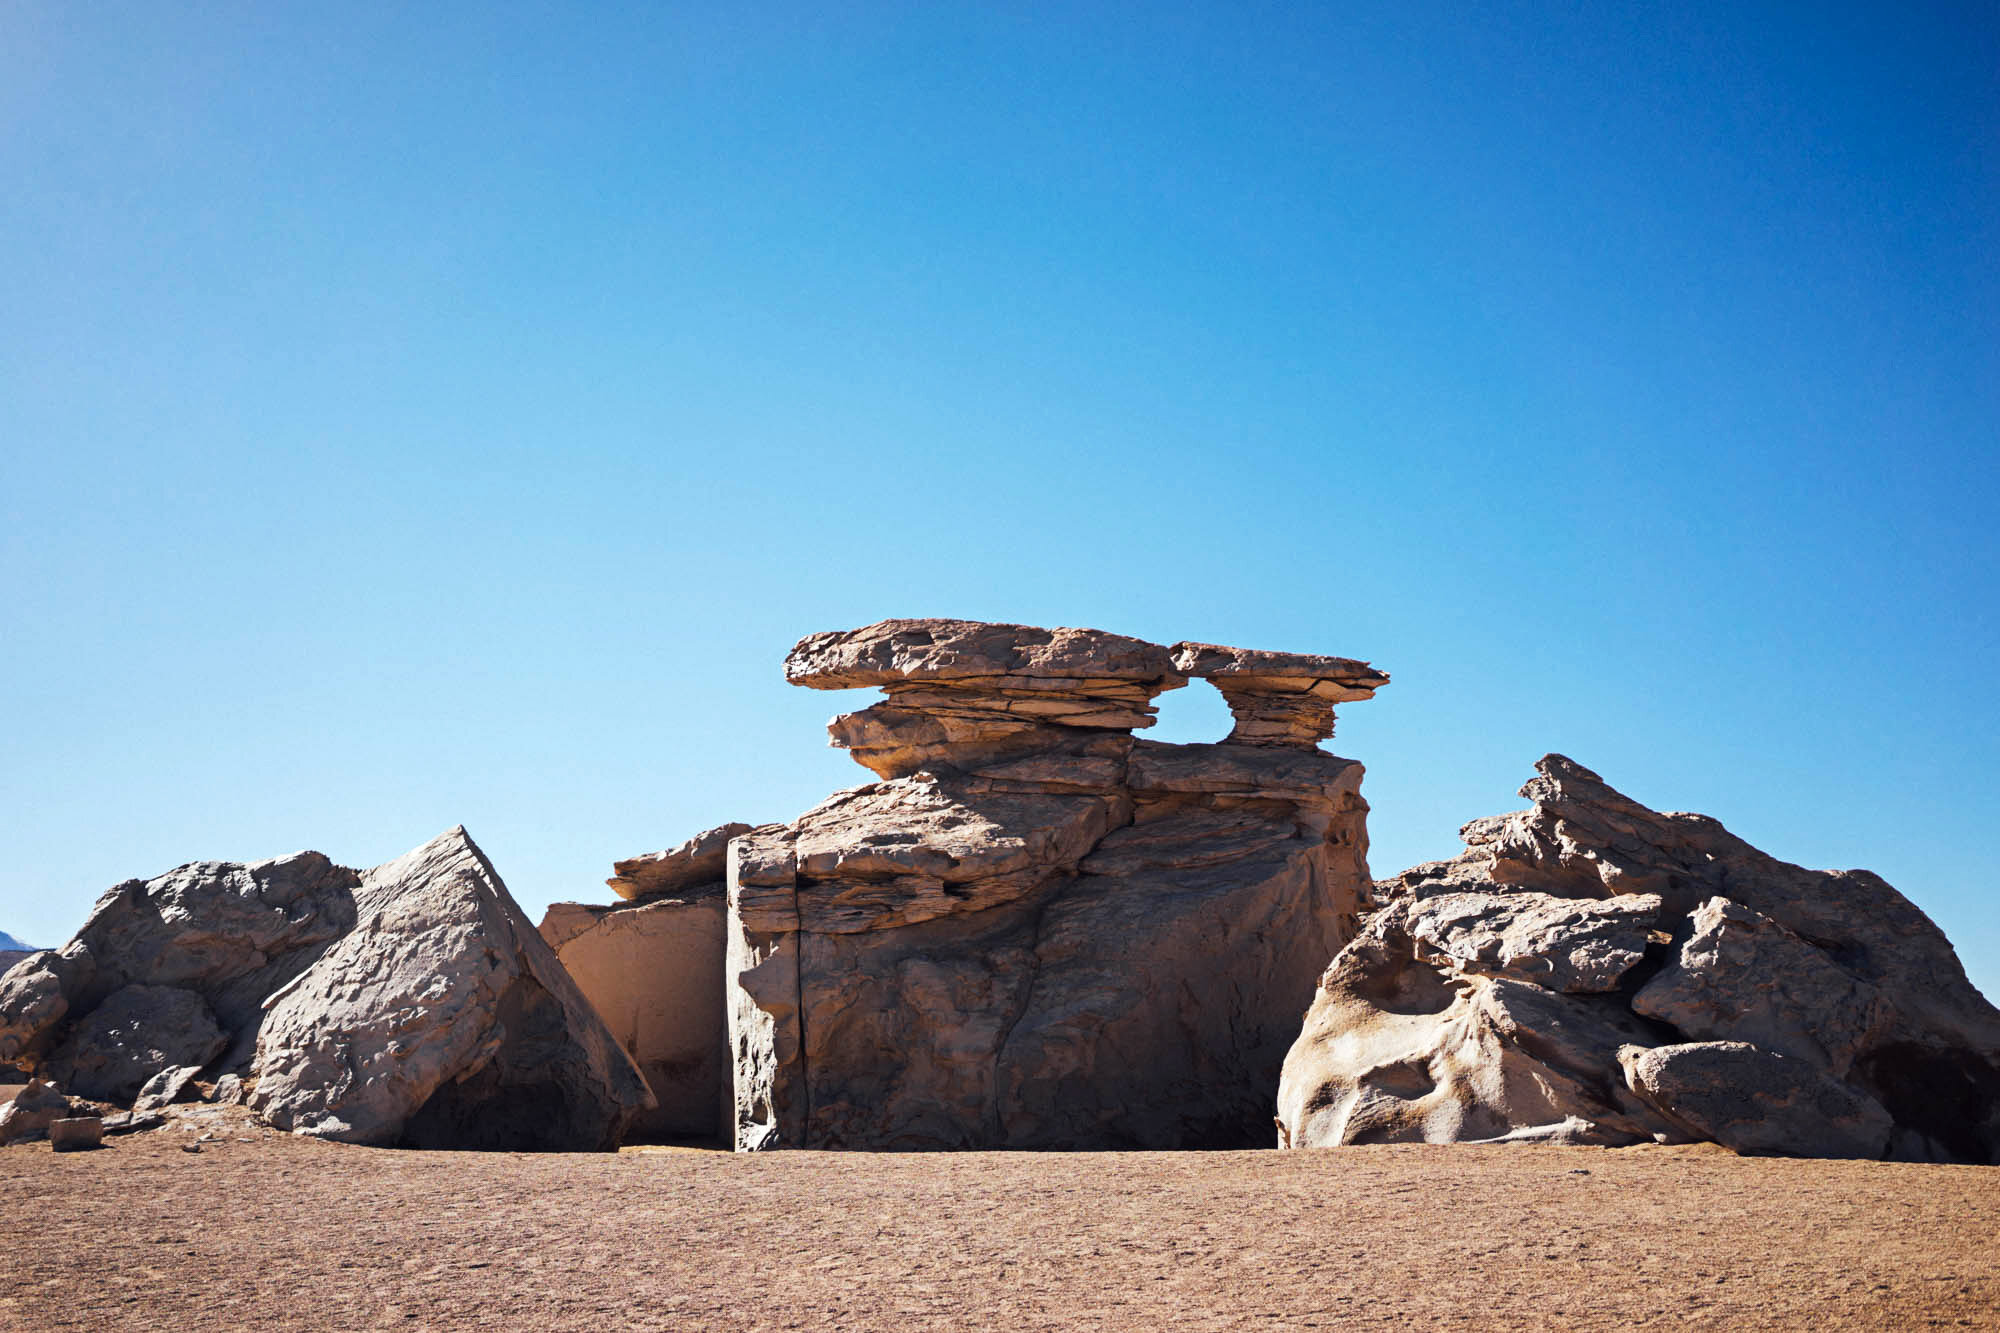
1590, 970
1036, 931
443, 1020
412, 1004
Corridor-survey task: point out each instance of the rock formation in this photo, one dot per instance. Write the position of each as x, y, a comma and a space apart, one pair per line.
225, 935
1593, 971
34, 1108
412, 1004
442, 1020
1036, 931
653, 971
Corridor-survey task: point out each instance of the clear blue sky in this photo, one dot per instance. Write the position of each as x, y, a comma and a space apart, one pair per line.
424, 414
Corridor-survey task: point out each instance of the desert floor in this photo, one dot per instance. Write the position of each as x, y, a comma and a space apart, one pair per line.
282, 1233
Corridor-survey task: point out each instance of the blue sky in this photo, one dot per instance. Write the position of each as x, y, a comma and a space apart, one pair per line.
414, 415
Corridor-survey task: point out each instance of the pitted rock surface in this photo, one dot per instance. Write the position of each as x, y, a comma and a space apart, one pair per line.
1590, 967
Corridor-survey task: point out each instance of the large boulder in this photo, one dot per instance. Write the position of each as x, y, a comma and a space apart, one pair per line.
136, 1034
226, 933
1590, 970
1756, 1101
1035, 931
443, 1020
414, 1004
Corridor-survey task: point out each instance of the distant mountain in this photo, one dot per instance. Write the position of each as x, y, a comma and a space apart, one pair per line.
8, 944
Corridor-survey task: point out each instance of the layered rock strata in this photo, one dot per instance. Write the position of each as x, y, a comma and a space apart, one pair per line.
1593, 971
412, 1003
1279, 698
1035, 931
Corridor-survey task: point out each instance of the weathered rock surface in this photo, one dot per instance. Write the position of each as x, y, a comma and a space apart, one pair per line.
701, 860
9, 957
228, 933
414, 1004
964, 694
137, 1033
1279, 698
1035, 931
443, 1020
76, 1134
1592, 970
653, 971
34, 1108
1755, 1101
169, 1086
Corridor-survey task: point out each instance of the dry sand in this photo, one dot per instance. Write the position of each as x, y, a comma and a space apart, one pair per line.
259, 1229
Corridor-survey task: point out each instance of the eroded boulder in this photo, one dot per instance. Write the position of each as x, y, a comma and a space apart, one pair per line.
415, 1004
698, 861
1756, 1101
229, 933
443, 1020
1593, 964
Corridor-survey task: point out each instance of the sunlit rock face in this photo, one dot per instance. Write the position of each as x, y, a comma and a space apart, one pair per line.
653, 971
1592, 971
411, 1004
1036, 931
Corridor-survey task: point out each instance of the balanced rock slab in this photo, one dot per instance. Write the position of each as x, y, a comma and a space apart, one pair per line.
443, 1020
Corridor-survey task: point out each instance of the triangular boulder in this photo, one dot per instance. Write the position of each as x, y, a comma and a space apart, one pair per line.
443, 1020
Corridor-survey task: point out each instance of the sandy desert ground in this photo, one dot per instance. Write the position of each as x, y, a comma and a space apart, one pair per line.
260, 1229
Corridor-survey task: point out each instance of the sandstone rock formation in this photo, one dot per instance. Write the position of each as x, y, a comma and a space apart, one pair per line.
1590, 970
653, 971
1036, 931
695, 864
442, 1020
138, 1032
411, 1004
